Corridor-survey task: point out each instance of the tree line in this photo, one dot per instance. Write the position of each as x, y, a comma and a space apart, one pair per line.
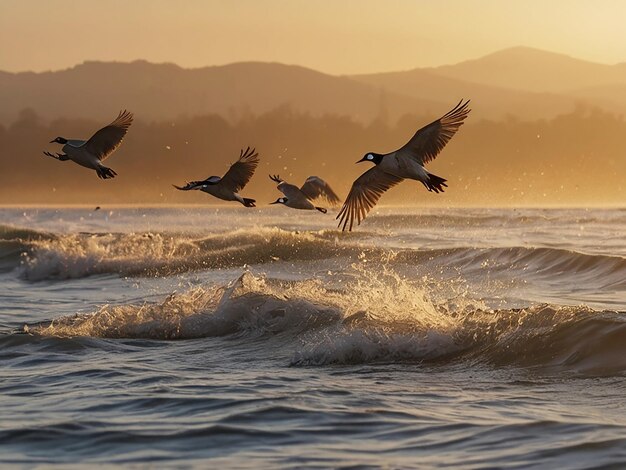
576, 159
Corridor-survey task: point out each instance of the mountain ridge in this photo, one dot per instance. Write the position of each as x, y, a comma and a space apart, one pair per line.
501, 84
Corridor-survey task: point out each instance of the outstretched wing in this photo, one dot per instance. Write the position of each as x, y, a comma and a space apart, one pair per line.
426, 144
291, 191
315, 187
106, 140
190, 185
365, 193
211, 180
241, 171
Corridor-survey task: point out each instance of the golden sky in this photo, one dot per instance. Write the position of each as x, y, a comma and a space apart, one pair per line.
333, 36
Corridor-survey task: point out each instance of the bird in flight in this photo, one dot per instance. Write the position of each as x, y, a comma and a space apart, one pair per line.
91, 153
228, 186
301, 198
405, 163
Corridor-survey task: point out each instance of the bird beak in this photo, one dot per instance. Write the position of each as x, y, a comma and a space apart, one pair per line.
275, 202
53, 141
361, 160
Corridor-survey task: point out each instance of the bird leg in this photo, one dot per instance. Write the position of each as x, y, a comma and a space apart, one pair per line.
104, 172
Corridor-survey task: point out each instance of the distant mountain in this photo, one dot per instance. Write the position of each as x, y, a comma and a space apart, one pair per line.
520, 82
166, 91
488, 101
525, 68
575, 158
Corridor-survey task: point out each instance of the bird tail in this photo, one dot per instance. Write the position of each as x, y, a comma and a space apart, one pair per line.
248, 202
104, 172
321, 209
435, 183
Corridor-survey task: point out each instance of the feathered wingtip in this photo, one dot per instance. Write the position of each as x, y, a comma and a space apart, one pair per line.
249, 155
276, 179
124, 119
459, 112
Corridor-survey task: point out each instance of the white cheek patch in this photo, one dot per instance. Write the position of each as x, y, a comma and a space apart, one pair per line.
370, 156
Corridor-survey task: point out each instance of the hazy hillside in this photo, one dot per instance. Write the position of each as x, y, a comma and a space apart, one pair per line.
606, 96
519, 146
490, 102
525, 68
521, 82
165, 91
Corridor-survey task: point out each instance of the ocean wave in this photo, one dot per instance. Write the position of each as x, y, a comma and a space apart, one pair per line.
495, 217
531, 260
45, 257
14, 241
372, 318
150, 254
13, 233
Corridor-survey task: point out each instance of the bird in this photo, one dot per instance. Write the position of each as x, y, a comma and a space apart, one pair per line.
300, 198
405, 163
228, 186
91, 153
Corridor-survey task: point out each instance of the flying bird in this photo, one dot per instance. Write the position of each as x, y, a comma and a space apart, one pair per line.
405, 163
91, 153
228, 186
301, 198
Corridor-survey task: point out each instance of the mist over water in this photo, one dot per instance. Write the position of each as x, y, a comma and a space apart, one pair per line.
475, 337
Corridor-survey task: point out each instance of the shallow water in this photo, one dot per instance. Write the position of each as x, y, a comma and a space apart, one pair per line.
178, 337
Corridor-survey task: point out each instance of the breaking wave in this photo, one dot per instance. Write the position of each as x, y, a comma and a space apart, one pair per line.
38, 256
150, 254
366, 318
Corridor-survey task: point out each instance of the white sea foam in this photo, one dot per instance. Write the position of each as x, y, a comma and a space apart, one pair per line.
375, 316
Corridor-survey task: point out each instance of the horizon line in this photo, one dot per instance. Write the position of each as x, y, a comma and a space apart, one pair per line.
227, 64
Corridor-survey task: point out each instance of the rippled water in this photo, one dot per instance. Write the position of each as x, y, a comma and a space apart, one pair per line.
179, 337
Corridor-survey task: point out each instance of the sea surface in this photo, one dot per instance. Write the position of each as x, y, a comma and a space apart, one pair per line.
264, 338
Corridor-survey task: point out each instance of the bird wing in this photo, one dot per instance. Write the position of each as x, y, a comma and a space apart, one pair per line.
211, 180
188, 186
106, 140
315, 187
427, 142
364, 194
76, 143
291, 191
241, 171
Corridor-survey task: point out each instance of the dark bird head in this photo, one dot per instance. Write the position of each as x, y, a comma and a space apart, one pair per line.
59, 140
372, 157
280, 200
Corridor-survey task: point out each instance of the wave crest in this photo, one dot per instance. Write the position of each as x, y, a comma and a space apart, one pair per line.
149, 254
367, 318
156, 254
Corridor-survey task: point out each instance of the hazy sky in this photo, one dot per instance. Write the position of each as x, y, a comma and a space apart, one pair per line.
333, 36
